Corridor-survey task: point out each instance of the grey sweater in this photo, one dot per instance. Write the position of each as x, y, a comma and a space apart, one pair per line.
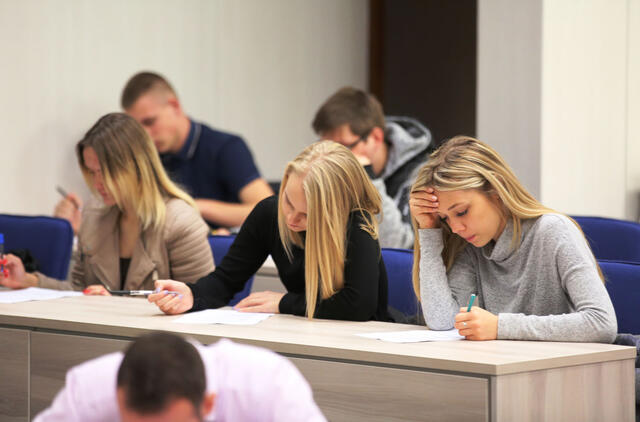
546, 289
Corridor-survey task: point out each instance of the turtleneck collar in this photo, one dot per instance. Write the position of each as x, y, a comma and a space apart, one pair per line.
502, 249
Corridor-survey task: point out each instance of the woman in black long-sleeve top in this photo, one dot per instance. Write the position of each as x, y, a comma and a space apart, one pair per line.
324, 216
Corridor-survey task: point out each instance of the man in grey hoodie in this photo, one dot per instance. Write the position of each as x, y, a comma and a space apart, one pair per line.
391, 152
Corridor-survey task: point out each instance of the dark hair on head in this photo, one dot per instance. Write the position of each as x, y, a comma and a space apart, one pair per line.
360, 110
140, 84
159, 368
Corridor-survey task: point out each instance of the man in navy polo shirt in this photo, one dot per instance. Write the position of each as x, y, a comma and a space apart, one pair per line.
215, 167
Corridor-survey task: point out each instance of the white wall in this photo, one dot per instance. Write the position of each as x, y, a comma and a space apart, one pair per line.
579, 63
584, 114
252, 67
508, 84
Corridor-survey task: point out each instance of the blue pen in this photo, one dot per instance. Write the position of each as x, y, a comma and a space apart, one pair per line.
471, 299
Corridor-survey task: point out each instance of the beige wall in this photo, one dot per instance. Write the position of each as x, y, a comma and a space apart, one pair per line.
633, 112
252, 67
565, 78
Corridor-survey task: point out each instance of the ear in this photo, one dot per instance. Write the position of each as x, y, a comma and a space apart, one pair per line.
495, 197
121, 397
207, 403
377, 134
175, 104
497, 201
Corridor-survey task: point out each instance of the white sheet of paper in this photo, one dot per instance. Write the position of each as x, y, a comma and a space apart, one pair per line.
34, 293
223, 316
415, 336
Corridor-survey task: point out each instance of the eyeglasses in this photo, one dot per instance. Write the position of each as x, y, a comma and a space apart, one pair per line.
363, 138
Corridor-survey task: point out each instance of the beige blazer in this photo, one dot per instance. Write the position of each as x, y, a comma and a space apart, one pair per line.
179, 250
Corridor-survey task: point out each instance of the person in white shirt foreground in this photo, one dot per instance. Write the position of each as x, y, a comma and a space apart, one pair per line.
163, 377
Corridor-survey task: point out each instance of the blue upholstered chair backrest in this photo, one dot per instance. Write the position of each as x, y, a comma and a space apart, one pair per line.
623, 285
49, 240
220, 246
612, 239
399, 263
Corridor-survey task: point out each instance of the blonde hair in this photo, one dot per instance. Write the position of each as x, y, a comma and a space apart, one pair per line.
467, 163
131, 168
335, 185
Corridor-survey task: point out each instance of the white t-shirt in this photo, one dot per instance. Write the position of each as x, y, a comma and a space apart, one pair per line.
250, 383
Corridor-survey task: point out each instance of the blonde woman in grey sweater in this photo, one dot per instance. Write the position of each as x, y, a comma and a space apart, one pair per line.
478, 231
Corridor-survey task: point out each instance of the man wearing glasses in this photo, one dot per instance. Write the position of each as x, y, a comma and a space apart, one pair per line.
391, 152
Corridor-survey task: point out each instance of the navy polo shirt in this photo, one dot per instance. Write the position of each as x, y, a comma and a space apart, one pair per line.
211, 164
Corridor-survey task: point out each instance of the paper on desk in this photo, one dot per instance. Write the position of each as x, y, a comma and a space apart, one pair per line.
415, 336
222, 316
34, 293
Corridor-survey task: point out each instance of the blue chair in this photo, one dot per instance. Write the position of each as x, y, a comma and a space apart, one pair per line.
50, 241
612, 239
623, 285
220, 246
399, 264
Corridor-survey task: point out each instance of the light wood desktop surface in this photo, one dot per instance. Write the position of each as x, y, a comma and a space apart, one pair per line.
267, 278
353, 378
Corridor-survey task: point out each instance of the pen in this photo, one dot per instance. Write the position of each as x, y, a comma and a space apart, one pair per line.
138, 292
471, 299
65, 194
131, 292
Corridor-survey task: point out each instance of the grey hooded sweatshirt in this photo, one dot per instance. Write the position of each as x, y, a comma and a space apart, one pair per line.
410, 144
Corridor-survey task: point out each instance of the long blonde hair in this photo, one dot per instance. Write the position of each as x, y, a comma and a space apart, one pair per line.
131, 168
467, 163
335, 185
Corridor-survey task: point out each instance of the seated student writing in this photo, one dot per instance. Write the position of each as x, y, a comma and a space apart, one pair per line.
479, 231
145, 227
322, 234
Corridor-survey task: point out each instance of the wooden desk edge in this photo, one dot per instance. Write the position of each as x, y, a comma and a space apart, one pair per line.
419, 363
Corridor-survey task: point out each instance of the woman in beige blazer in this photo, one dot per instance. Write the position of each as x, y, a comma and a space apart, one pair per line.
145, 227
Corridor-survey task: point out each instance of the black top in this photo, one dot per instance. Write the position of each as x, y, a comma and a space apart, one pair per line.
124, 269
363, 297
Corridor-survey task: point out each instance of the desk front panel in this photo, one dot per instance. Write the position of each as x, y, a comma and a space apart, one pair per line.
52, 355
14, 375
357, 392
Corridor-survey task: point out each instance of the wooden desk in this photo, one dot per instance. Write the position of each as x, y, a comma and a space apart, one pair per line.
353, 378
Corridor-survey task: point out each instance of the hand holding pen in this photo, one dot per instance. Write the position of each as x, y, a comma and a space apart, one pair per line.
69, 208
14, 275
476, 323
172, 297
